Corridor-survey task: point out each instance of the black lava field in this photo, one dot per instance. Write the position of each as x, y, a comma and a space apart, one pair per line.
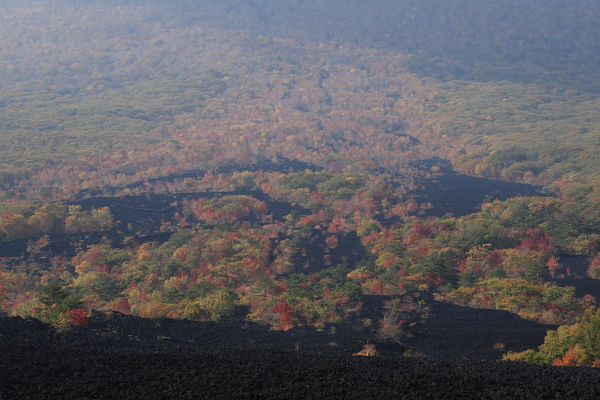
447, 353
450, 356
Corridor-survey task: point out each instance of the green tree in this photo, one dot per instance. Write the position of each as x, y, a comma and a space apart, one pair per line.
57, 302
591, 335
212, 307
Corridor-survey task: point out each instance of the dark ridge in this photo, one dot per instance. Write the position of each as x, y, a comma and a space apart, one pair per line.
139, 216
117, 356
439, 330
449, 193
283, 165
454, 331
459, 194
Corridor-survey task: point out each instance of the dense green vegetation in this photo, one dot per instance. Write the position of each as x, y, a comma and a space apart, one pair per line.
569, 345
65, 122
481, 126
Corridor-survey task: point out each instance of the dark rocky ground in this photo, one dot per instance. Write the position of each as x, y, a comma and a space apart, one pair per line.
446, 351
449, 356
275, 374
459, 194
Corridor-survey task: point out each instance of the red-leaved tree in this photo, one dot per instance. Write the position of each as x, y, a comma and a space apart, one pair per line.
285, 315
78, 316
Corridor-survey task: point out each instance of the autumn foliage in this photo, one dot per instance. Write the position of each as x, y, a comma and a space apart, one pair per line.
335, 126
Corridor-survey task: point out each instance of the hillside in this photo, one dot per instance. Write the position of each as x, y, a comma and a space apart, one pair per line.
306, 166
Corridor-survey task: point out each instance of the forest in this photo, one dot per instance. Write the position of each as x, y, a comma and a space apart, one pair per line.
193, 159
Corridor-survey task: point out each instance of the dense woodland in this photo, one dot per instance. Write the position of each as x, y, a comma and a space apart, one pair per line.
200, 100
